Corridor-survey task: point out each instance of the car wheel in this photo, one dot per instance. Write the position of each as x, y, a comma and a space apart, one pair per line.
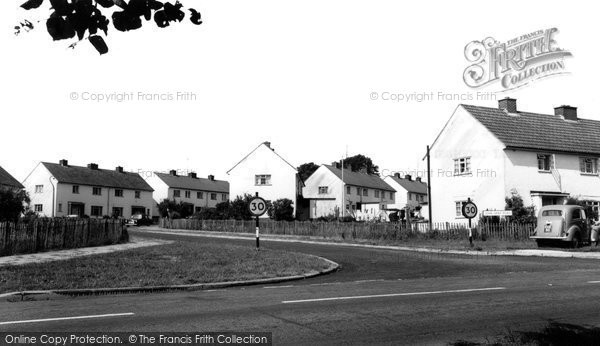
576, 242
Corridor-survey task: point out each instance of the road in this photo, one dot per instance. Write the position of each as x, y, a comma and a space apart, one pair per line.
379, 296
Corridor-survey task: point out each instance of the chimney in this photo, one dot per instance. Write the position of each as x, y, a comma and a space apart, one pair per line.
192, 175
419, 179
64, 163
567, 112
119, 169
173, 172
336, 164
408, 177
211, 177
508, 104
92, 166
397, 175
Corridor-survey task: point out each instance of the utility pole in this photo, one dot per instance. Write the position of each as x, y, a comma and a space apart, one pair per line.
429, 190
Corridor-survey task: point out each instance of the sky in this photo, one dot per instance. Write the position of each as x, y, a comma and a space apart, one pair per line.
300, 74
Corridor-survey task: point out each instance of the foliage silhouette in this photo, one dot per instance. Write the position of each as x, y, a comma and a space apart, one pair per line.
70, 18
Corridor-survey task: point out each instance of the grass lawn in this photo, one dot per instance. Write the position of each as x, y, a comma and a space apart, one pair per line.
178, 263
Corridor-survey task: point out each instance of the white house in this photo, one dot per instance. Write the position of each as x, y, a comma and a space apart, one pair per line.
7, 181
487, 154
194, 192
365, 196
62, 189
264, 171
411, 193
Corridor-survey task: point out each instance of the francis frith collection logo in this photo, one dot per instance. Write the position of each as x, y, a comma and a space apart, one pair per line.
516, 62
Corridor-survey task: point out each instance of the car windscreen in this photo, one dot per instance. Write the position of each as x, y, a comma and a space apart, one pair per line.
552, 213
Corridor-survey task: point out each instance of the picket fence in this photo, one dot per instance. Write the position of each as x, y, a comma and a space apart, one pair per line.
358, 230
48, 234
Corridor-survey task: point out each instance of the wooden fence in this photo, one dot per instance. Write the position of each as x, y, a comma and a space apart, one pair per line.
47, 234
357, 230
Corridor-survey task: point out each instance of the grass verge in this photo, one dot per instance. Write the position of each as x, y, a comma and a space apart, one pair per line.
555, 333
179, 263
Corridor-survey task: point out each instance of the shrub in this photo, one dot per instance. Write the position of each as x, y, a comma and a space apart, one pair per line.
282, 210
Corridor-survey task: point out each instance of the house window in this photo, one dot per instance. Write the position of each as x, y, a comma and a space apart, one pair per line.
376, 193
410, 196
138, 194
462, 166
39, 189
348, 190
60, 207
176, 193
118, 193
322, 190
96, 210
545, 162
188, 194
391, 195
459, 205
262, 179
358, 191
223, 196
117, 212
97, 191
365, 192
588, 165
213, 196
38, 208
75, 189
199, 195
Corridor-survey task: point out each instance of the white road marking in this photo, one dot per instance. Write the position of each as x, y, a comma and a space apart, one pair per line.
67, 318
288, 286
593, 282
393, 295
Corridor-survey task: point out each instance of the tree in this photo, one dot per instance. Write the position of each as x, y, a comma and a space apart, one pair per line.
85, 18
12, 204
305, 170
282, 210
361, 163
590, 213
521, 213
173, 209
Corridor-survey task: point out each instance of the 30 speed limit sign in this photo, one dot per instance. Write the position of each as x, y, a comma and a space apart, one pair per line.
469, 210
257, 206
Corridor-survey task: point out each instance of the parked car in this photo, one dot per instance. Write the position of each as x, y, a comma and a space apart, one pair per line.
139, 220
563, 223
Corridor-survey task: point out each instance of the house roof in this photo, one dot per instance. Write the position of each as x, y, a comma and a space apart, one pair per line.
97, 177
411, 185
189, 183
534, 131
361, 179
8, 180
268, 145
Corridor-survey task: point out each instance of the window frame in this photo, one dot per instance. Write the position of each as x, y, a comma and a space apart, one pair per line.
458, 165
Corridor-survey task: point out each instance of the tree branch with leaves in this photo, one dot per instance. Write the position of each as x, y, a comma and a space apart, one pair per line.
86, 19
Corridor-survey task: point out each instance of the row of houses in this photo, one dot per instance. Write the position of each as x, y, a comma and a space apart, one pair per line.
482, 153
62, 189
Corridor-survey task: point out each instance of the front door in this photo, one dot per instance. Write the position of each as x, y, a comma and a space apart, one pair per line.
76, 209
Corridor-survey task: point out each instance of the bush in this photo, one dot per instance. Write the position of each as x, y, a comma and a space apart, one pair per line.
12, 204
282, 210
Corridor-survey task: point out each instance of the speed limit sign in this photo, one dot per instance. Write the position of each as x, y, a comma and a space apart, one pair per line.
257, 206
469, 209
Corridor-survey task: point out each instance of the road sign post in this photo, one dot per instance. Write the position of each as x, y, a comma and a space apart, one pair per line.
469, 210
257, 207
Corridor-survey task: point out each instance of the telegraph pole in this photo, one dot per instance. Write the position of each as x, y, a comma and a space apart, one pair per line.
429, 190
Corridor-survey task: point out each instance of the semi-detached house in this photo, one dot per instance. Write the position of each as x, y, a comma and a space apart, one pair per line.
195, 193
7, 181
66, 190
487, 154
